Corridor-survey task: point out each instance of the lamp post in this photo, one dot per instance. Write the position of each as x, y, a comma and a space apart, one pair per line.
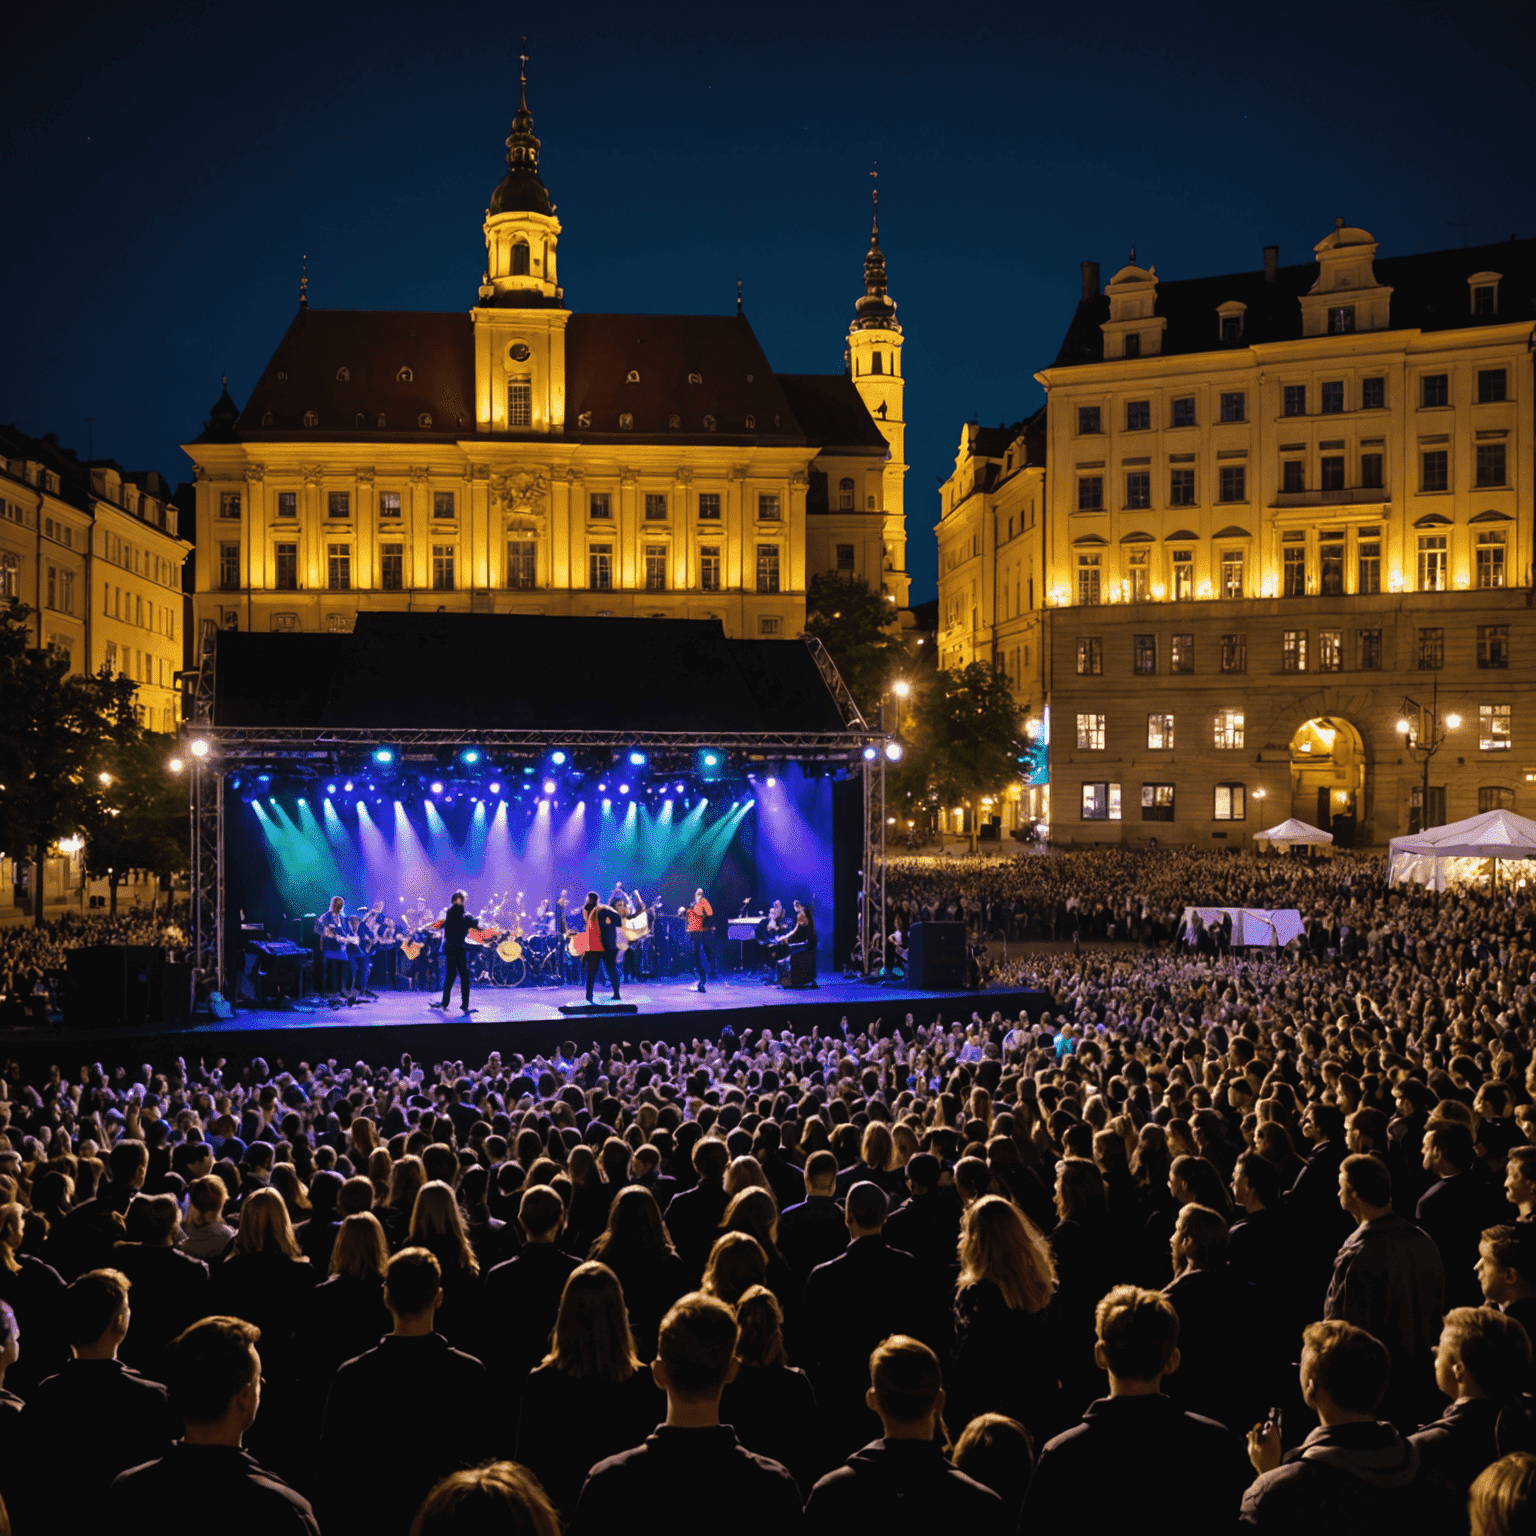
872, 915
1427, 740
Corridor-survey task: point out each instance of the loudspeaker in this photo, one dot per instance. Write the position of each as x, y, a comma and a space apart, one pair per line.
936, 957
113, 986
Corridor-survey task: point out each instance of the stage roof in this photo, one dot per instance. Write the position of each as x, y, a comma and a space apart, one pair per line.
400, 672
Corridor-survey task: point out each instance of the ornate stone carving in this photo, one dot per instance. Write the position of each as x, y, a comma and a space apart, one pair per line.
684, 476
417, 474
574, 476
313, 475
255, 473
629, 478
738, 474
365, 476
199, 472
523, 497
799, 480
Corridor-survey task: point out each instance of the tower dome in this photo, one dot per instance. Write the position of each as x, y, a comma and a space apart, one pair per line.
876, 309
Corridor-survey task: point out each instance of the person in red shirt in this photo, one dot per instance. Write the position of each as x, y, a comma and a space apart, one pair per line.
602, 924
698, 915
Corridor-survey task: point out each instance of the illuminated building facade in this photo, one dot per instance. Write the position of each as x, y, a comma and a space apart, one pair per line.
1280, 504
525, 457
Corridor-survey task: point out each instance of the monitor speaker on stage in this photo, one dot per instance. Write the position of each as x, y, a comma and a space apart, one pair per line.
936, 957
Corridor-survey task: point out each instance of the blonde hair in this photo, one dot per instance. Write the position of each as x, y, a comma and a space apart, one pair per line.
286, 1181
998, 1242
437, 1225
736, 1263
745, 1172
1501, 1499
360, 1251
761, 1321
592, 1341
754, 1212
13, 1222
406, 1178
264, 1226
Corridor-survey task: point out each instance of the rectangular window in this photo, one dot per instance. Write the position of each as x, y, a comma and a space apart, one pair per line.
519, 403
709, 567
442, 567
767, 567
599, 506
1293, 565
1494, 797
1090, 656
1184, 411
1138, 415
1090, 733
1436, 475
1138, 575
1432, 562
1232, 573
1088, 420
1088, 580
1370, 471
1489, 555
1431, 650
1145, 655
1181, 488
392, 567
229, 503
1368, 650
1133, 344
1493, 645
1485, 299
1160, 733
767, 624
600, 567
339, 567
1490, 464
1369, 564
845, 559
285, 567
111, 655
1332, 467
767, 508
1231, 803
1295, 400
1330, 561
655, 567
1341, 320
1231, 327
522, 564
339, 504
229, 569
1333, 397
1373, 394
288, 503
1293, 476
709, 506
1157, 802
1101, 802
1234, 653
1232, 406
66, 594
1138, 488
1436, 389
1330, 650
1228, 734
655, 507
1234, 482
1493, 727
1181, 653
1183, 575
1490, 385
1090, 493
10, 575
1293, 651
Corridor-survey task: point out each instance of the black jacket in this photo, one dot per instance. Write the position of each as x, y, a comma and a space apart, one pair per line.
1005, 1361
903, 1488
1461, 1442
699, 1477
1455, 1212
170, 1293
693, 1219
225, 1486
812, 1233
773, 1411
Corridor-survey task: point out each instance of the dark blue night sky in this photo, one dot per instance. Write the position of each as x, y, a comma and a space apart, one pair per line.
165, 166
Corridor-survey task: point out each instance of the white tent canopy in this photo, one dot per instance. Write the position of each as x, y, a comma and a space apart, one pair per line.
1426, 858
1291, 832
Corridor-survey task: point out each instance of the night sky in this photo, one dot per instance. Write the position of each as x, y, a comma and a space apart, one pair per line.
166, 165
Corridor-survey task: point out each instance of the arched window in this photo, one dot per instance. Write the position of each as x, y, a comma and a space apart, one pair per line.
425, 419
311, 419
343, 376
877, 363
404, 376
519, 258
845, 495
633, 376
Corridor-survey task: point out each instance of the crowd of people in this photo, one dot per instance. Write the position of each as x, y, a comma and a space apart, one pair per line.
1211, 1243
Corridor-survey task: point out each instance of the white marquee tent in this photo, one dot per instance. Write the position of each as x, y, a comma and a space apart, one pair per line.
1463, 850
1289, 833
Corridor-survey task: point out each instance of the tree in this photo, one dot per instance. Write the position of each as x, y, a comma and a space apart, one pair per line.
61, 734
969, 737
139, 821
856, 624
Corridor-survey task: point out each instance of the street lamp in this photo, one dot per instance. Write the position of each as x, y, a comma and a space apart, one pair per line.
1425, 741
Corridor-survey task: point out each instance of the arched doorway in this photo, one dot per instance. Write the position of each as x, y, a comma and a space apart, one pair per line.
1328, 776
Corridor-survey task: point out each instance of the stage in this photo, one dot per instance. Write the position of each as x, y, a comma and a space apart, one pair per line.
522, 1019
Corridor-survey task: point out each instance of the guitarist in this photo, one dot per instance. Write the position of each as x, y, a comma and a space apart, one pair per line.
602, 943
455, 924
698, 916
337, 945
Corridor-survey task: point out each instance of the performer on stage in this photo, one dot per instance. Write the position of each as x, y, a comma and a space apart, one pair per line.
337, 945
769, 932
602, 927
698, 914
456, 923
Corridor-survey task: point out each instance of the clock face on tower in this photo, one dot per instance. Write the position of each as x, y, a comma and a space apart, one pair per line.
520, 353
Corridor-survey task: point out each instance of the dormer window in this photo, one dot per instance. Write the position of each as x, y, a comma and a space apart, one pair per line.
1341, 320
751, 423
626, 421
845, 495
1231, 327
695, 378
709, 423
311, 418
633, 376
343, 376
405, 376
424, 420
675, 422
1485, 292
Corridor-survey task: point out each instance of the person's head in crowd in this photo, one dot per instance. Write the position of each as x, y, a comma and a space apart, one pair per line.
635, 1227
1365, 1187
1137, 1340
755, 1212
999, 1453
1366, 1130
736, 1263
1000, 1245
1080, 1195
540, 1213
820, 1175
1199, 1239
695, 1358
1482, 1353
711, 1157
265, 1228
760, 1319
592, 1339
1197, 1181
438, 1224
1449, 1149
1255, 1183
360, 1251
1503, 1499
96, 1314
1322, 1123
356, 1196
864, 1210
10, 1340
1506, 1263
906, 1390
413, 1290
215, 1380
500, 1498
1344, 1372
158, 1219
1520, 1180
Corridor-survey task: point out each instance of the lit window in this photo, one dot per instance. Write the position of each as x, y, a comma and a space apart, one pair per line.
1160, 733
1432, 562
1157, 802
1489, 555
655, 567
1341, 320
1183, 575
1368, 563
1231, 803
519, 401
1293, 565
1234, 653
1229, 729
845, 495
1232, 573
600, 567
1138, 575
1293, 651
1088, 579
1181, 653
1330, 650
1090, 656
229, 503
1101, 802
1145, 654
1090, 733
1493, 727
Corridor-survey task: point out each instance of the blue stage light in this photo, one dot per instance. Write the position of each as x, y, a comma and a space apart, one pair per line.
771, 781
623, 789
470, 756
711, 760
302, 800
436, 786
637, 759
870, 754
384, 756
679, 789
557, 758
529, 770
263, 778
495, 789
330, 789
601, 787
348, 786
893, 751
549, 786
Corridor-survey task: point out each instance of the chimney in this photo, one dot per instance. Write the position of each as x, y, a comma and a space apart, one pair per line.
1271, 262
1090, 280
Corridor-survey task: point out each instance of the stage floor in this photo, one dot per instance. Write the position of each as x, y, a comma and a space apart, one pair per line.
522, 1019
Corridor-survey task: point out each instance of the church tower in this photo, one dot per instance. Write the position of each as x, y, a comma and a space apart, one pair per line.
521, 317
874, 363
